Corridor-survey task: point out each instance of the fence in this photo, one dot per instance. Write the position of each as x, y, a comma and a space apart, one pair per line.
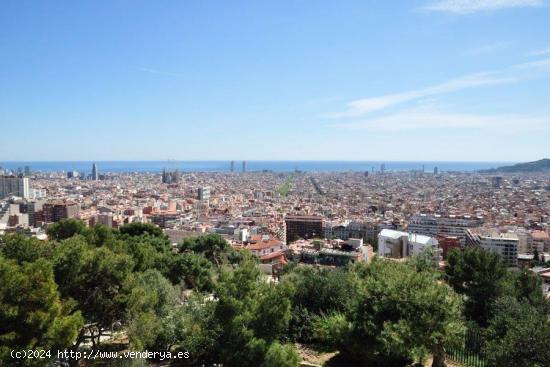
469, 353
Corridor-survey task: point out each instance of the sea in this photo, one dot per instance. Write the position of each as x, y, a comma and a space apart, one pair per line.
251, 166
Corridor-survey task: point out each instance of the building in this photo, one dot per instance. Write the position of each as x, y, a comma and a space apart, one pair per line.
203, 193
302, 226
95, 173
506, 244
449, 226
397, 244
15, 186
72, 174
331, 253
55, 211
170, 177
540, 241
33, 209
232, 166
447, 243
105, 219
496, 181
244, 166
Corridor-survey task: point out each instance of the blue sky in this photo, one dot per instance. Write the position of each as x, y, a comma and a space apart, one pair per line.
275, 80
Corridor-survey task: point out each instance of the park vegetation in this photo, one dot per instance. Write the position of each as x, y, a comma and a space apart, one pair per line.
86, 287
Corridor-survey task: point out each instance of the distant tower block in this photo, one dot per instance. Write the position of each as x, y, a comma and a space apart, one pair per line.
436, 170
244, 166
383, 167
95, 173
232, 166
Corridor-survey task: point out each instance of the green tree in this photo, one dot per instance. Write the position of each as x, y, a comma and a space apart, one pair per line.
314, 292
100, 235
139, 229
400, 315
250, 316
95, 279
31, 313
279, 355
24, 249
480, 276
193, 270
212, 246
517, 335
66, 228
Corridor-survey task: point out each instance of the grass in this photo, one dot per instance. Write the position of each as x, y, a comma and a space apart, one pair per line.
285, 188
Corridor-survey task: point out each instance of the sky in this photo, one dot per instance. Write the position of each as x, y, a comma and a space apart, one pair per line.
445, 80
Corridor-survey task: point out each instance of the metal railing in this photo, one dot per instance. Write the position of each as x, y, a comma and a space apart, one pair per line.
469, 353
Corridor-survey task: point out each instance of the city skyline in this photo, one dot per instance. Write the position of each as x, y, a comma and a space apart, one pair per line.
199, 81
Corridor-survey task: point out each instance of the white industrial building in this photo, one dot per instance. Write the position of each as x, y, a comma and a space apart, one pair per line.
398, 244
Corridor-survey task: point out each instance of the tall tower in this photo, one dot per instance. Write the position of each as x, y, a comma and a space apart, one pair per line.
232, 166
244, 166
95, 174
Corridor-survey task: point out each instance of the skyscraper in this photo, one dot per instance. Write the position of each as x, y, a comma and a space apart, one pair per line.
244, 166
95, 174
232, 166
16, 186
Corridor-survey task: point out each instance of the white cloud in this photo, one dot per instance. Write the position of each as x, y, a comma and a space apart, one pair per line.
430, 118
512, 74
543, 52
366, 105
487, 49
473, 6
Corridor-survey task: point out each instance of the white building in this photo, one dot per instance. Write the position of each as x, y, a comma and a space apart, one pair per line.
203, 193
506, 244
398, 244
15, 186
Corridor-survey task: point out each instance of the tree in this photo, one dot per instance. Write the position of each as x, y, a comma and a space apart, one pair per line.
66, 228
314, 292
31, 313
517, 335
95, 279
212, 246
100, 235
24, 249
480, 276
191, 269
250, 316
140, 229
526, 286
400, 315
279, 355
425, 261
151, 304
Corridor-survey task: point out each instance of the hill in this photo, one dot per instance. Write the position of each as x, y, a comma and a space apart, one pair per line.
536, 166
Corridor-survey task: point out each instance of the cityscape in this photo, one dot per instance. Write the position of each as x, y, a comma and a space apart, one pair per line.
275, 184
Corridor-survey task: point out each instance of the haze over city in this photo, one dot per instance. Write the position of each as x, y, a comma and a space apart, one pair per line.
432, 80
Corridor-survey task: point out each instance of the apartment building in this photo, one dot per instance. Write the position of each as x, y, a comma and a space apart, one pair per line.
302, 226
506, 244
449, 226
